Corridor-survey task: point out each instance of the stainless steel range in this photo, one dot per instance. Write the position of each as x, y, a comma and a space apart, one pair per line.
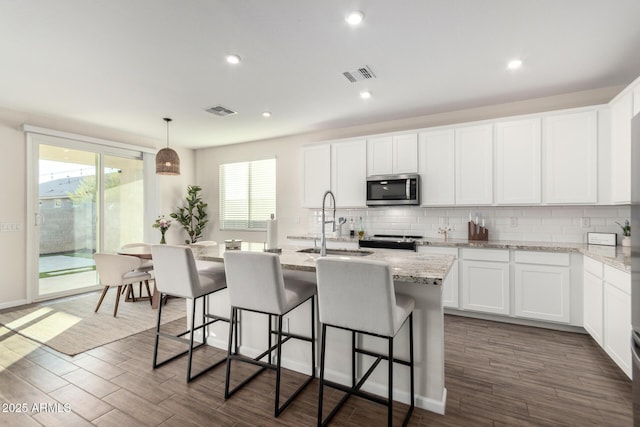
390, 241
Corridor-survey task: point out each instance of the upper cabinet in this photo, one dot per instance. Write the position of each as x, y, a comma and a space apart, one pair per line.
436, 150
392, 154
349, 173
517, 159
636, 100
338, 166
316, 174
621, 114
570, 149
474, 165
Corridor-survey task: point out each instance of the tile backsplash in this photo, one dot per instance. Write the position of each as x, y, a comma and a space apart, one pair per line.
535, 223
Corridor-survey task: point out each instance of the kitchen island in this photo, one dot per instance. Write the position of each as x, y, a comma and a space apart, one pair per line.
417, 275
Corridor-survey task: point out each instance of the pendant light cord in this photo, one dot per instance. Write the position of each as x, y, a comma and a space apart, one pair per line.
167, 119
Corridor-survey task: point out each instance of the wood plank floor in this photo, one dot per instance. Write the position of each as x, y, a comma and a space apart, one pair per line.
497, 374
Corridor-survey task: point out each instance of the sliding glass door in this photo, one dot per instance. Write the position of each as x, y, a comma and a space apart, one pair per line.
90, 198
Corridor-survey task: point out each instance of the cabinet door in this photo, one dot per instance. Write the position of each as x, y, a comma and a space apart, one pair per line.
380, 156
542, 292
316, 174
518, 145
621, 113
405, 153
348, 168
485, 286
636, 100
617, 326
474, 165
570, 167
592, 306
437, 167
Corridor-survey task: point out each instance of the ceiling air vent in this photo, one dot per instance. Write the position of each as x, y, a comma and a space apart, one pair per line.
221, 111
363, 73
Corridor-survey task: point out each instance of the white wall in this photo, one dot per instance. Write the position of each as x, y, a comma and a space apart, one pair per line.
13, 256
294, 220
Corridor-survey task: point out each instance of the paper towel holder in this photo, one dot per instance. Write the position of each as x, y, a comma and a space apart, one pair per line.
272, 227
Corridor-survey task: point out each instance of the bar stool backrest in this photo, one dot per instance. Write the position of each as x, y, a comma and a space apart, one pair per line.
255, 281
175, 271
356, 294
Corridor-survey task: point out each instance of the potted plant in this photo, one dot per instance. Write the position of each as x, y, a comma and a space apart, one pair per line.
193, 217
626, 233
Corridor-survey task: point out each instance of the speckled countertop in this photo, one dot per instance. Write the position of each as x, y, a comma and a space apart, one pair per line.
615, 256
407, 266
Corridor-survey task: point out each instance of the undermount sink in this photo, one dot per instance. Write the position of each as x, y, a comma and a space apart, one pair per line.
342, 252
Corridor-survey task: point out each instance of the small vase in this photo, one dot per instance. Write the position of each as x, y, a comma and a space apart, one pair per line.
626, 241
162, 241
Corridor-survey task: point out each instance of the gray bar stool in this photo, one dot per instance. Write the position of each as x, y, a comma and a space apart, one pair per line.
256, 283
359, 296
177, 275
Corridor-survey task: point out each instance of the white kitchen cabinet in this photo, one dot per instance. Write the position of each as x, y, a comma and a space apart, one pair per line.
518, 145
485, 280
636, 100
617, 317
395, 154
349, 173
570, 152
542, 286
474, 165
316, 174
450, 284
592, 294
621, 113
436, 151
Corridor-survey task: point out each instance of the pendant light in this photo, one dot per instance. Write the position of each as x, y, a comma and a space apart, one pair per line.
167, 160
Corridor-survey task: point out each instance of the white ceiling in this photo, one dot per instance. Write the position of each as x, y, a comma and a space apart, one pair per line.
126, 64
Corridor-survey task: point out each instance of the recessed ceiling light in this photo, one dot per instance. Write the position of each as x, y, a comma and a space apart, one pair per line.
355, 17
266, 114
365, 94
514, 64
233, 59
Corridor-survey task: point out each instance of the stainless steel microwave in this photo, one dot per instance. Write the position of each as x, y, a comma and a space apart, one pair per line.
389, 190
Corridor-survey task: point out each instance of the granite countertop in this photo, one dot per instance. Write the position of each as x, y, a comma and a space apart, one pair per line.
410, 267
616, 256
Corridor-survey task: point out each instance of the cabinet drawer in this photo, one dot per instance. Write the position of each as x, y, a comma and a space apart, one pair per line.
592, 266
498, 255
618, 278
546, 258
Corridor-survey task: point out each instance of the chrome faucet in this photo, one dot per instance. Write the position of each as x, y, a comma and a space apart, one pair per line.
323, 242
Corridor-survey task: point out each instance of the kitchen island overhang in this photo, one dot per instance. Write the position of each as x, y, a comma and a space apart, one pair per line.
417, 275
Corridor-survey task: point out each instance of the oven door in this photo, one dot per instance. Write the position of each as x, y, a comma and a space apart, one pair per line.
392, 190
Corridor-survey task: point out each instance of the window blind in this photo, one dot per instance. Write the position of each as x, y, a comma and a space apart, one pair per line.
247, 194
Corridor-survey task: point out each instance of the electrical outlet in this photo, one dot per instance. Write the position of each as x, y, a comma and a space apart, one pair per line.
285, 325
585, 222
297, 220
513, 222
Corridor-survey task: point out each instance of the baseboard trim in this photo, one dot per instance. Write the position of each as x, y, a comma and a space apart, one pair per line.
12, 304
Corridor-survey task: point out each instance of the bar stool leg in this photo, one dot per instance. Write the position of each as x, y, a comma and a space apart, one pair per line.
323, 347
390, 411
276, 411
232, 326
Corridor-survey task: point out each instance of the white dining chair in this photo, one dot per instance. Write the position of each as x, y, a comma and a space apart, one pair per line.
146, 266
118, 270
359, 296
177, 275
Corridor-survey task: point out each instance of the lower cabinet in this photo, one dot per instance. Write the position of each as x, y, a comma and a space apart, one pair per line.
617, 317
607, 310
485, 280
542, 286
592, 288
